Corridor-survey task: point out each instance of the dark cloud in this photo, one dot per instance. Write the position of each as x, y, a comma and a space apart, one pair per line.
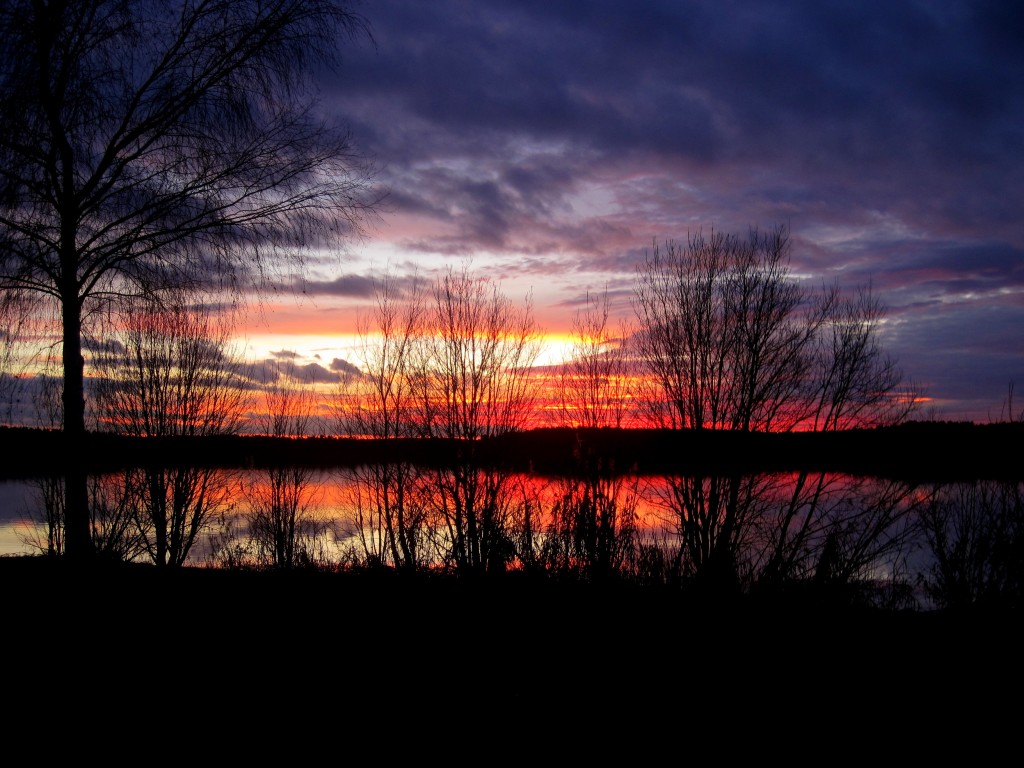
355, 286
284, 368
312, 373
344, 367
814, 87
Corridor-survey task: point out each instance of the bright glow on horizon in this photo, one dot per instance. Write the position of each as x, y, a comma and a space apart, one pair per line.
555, 349
307, 348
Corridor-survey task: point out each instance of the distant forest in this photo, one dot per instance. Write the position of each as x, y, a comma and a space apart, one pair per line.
914, 451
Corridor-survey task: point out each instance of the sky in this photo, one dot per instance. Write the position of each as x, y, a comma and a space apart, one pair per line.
549, 144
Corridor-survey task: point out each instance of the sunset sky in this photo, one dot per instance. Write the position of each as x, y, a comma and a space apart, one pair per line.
551, 142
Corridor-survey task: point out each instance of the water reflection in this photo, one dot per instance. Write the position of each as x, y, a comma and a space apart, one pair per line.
947, 543
17, 504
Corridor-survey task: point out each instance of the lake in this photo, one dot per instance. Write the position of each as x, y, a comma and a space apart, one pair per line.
779, 525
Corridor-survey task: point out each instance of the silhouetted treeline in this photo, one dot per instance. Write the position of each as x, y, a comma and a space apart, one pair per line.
918, 451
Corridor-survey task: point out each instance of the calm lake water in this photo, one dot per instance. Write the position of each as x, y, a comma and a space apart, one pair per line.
17, 498
21, 511
835, 502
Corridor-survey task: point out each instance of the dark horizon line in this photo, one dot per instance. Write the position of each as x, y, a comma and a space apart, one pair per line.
916, 451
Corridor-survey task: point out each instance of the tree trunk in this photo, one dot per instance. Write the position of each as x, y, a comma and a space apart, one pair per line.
77, 529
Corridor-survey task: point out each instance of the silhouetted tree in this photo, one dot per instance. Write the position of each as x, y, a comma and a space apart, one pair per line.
390, 507
730, 340
170, 375
147, 144
848, 524
470, 381
726, 335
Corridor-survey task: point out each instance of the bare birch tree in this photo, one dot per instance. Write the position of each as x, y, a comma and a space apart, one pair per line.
148, 144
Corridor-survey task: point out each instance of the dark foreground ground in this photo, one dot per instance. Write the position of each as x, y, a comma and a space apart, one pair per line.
261, 664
